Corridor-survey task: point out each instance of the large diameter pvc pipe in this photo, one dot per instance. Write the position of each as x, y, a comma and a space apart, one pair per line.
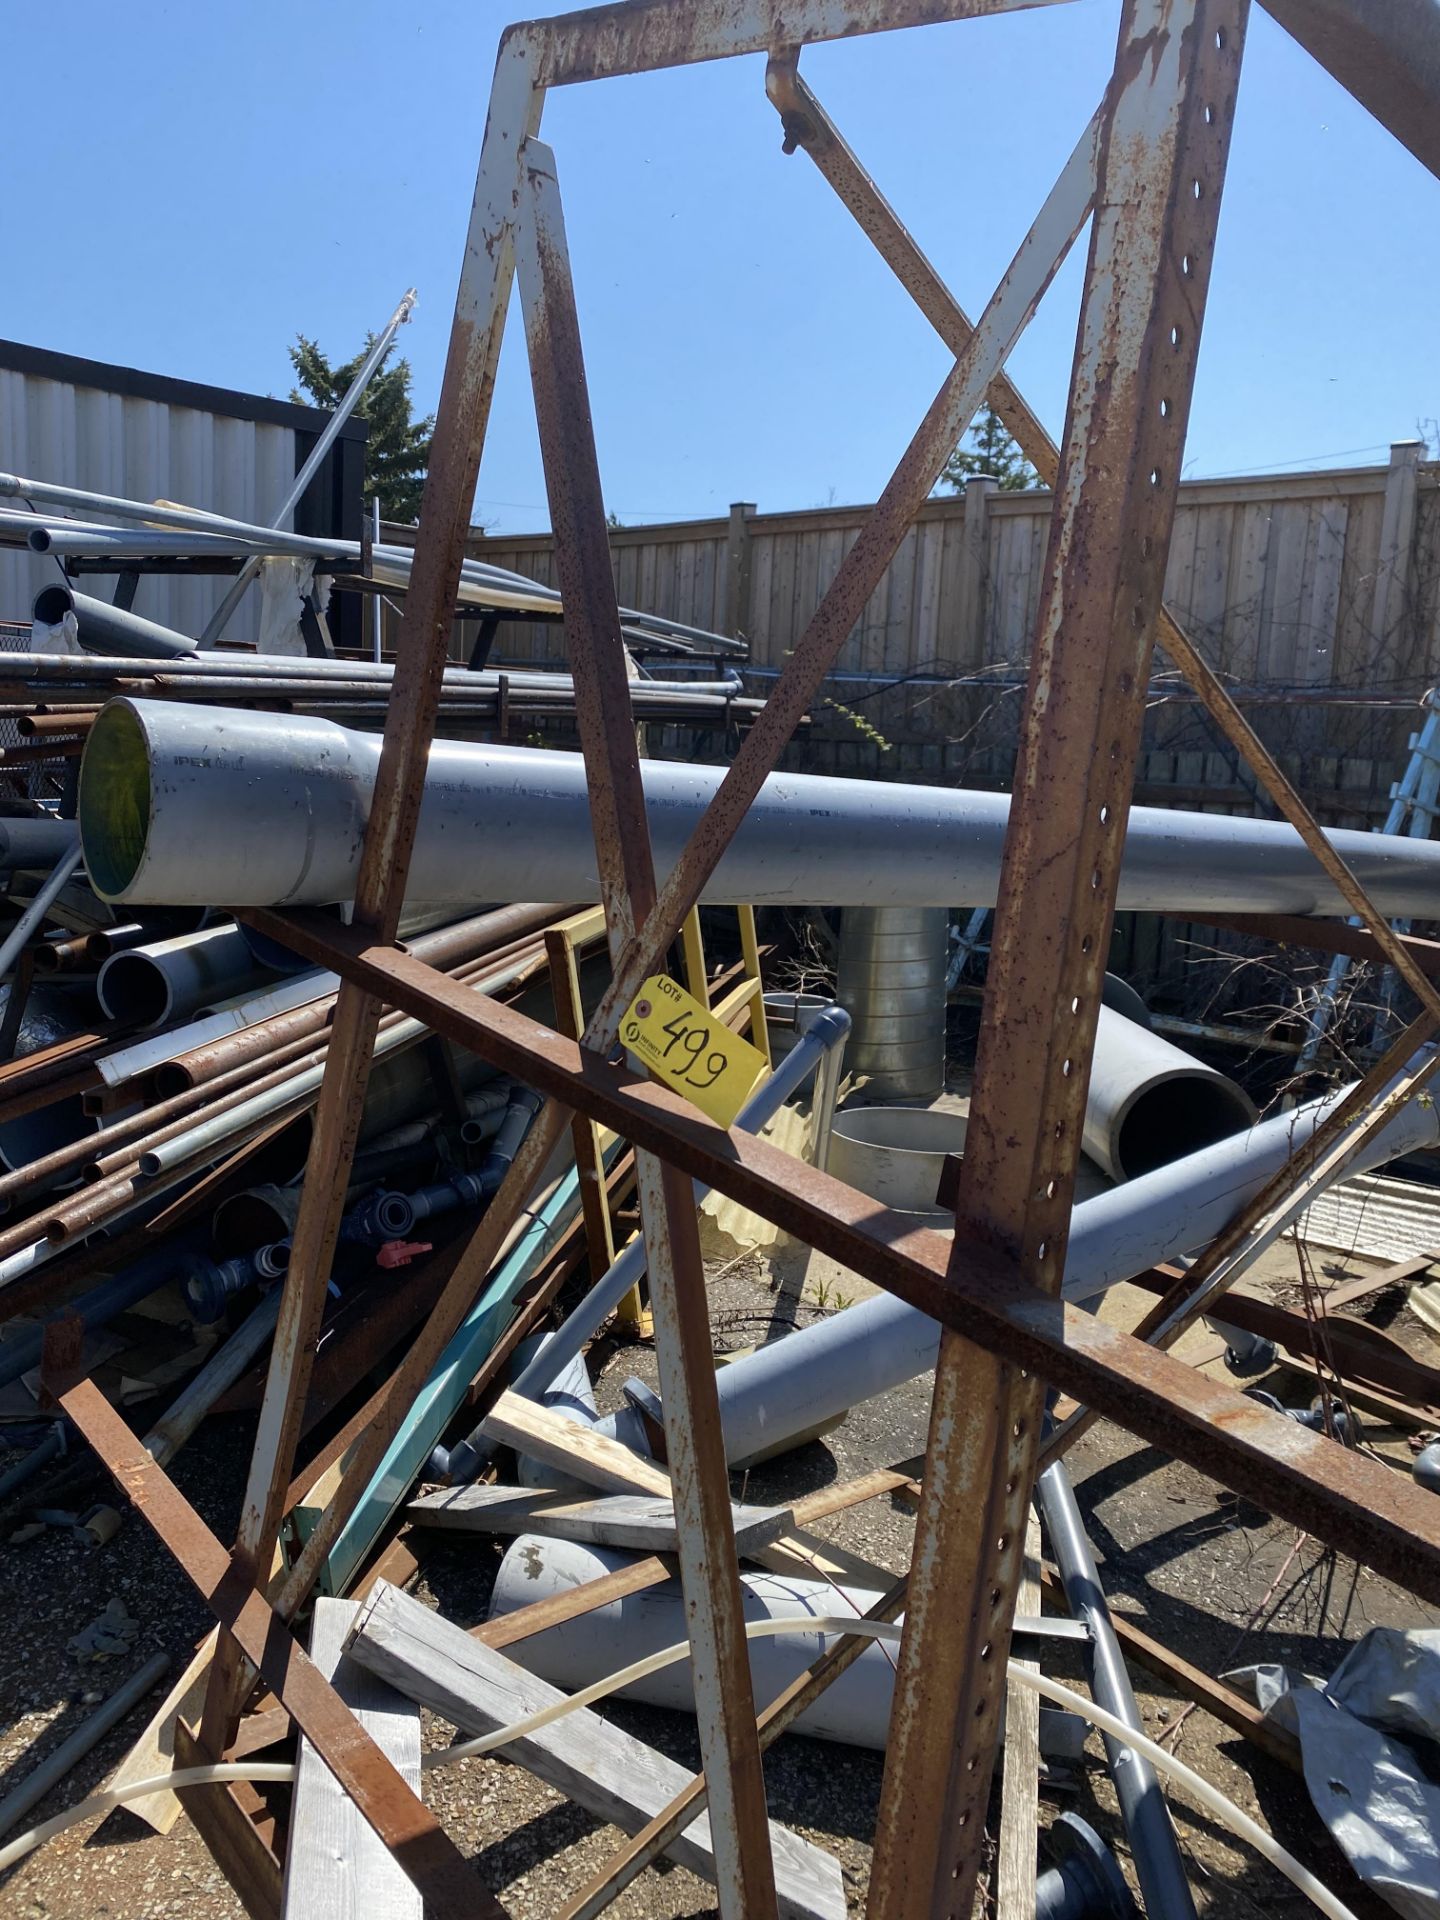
855, 1710
148, 986
1153, 1845
162, 786
1149, 1103
103, 628
796, 1384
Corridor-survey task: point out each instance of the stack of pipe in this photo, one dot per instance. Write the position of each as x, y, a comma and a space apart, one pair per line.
193, 1094
191, 534
71, 686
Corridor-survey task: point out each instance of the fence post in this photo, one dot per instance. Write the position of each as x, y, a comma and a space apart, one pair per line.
737, 569
974, 558
1397, 540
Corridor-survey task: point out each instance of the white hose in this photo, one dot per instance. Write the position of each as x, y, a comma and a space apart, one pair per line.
1200, 1789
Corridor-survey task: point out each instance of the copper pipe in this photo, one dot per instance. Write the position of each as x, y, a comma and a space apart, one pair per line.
35, 726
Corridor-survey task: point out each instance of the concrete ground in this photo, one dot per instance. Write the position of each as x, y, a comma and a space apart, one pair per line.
1204, 1572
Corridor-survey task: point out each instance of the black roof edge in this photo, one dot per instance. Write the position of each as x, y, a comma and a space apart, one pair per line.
134, 384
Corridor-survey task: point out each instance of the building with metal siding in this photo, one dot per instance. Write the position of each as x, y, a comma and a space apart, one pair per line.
83, 423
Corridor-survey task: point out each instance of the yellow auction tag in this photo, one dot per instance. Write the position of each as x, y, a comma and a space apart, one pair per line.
689, 1049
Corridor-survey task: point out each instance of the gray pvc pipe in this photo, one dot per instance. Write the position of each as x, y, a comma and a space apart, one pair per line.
1153, 1845
107, 629
1149, 1103
151, 985
796, 1384
162, 785
855, 1710
54, 1767
29, 844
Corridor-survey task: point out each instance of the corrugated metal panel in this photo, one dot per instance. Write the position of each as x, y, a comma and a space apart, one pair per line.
1377, 1217
146, 449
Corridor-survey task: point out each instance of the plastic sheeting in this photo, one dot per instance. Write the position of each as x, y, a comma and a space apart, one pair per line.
1368, 1745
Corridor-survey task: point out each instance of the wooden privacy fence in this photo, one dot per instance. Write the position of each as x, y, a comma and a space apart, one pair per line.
1317, 595
1321, 583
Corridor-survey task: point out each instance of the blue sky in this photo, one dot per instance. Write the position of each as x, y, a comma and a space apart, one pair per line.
207, 180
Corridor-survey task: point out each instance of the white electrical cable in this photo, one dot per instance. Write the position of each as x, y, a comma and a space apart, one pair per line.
1209, 1797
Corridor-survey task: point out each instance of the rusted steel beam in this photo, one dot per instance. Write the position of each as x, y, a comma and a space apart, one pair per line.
1164, 145
382, 1796
1241, 735
1036, 261
642, 36
1354, 1503
1324, 936
709, 1571
1387, 56
478, 1257
422, 649
807, 125
810, 127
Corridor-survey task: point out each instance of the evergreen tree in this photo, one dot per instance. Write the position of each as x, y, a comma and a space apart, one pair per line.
990, 452
397, 450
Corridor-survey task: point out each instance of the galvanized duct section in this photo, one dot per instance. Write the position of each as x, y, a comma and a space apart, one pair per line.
891, 982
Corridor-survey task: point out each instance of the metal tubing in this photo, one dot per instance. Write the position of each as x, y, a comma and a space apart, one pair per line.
1148, 1103
234, 1018
147, 987
351, 399
823, 1040
162, 784
795, 1384
1153, 1846
35, 913
54, 1767
103, 628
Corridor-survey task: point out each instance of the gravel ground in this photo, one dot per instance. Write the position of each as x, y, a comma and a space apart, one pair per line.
1206, 1573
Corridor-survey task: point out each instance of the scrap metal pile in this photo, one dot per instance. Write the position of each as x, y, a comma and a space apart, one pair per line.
291, 1043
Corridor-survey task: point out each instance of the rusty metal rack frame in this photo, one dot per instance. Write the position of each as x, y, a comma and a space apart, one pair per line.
1147, 175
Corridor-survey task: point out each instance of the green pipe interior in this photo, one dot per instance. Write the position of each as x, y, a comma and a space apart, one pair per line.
114, 800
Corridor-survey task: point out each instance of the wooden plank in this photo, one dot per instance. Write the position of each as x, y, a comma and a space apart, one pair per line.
643, 1522
590, 1456
153, 1753
235, 1843
336, 1867
923, 644
1016, 1864
1244, 612
601, 1462
609, 1773
764, 652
